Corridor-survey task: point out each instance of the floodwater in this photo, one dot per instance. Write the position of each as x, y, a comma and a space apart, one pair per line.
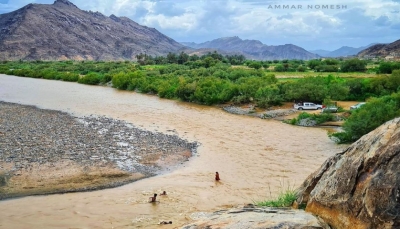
256, 159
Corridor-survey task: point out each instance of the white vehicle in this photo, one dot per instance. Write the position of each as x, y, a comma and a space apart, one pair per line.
358, 105
307, 106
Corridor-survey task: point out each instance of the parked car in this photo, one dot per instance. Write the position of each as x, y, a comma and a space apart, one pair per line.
307, 106
358, 105
330, 109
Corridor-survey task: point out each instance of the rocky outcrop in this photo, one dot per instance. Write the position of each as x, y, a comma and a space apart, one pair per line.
62, 31
382, 50
254, 217
360, 187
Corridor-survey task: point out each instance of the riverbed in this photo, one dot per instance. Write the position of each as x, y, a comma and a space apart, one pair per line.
255, 158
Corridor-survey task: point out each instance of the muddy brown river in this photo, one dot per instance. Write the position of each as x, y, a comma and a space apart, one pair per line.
255, 158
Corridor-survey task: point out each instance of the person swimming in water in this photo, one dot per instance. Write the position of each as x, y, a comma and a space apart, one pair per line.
153, 199
217, 176
164, 193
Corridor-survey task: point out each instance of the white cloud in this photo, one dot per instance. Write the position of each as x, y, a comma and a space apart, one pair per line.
185, 22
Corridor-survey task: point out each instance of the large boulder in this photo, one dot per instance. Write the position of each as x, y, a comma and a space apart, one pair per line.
254, 217
360, 187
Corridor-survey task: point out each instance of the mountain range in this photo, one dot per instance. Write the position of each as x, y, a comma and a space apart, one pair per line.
255, 49
62, 31
341, 52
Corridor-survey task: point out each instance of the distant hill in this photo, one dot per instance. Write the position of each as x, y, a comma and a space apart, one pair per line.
254, 49
63, 31
320, 52
382, 50
341, 52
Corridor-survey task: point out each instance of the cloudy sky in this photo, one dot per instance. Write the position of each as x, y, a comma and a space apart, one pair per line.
307, 23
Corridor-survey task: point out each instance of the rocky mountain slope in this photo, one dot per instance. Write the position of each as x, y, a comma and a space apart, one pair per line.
382, 50
63, 31
254, 49
360, 187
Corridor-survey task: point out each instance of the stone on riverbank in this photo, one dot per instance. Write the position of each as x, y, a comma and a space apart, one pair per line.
255, 217
360, 187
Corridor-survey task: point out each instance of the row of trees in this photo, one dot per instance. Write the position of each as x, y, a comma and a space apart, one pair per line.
218, 83
334, 65
184, 58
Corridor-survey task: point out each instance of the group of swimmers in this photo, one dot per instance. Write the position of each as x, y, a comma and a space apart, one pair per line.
164, 193
154, 198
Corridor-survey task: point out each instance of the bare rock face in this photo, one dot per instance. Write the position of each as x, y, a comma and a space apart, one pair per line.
62, 31
381, 50
360, 187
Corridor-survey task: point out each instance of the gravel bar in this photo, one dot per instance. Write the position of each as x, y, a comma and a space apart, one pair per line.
45, 148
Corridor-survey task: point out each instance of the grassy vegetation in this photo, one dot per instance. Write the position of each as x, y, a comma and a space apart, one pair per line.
285, 198
318, 118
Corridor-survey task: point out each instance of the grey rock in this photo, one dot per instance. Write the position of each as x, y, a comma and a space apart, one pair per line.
255, 217
359, 188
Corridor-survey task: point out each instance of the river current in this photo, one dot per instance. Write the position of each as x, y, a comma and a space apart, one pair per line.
256, 159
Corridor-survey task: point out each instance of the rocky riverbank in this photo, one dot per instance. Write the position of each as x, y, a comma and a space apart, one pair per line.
46, 151
251, 216
250, 110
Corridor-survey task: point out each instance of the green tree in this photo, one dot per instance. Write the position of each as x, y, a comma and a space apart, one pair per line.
268, 96
312, 64
312, 89
121, 80
91, 78
255, 65
353, 65
279, 68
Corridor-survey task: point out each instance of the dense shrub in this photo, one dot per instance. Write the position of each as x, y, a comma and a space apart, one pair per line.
318, 118
353, 65
268, 96
71, 77
91, 78
121, 80
388, 67
212, 90
365, 119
